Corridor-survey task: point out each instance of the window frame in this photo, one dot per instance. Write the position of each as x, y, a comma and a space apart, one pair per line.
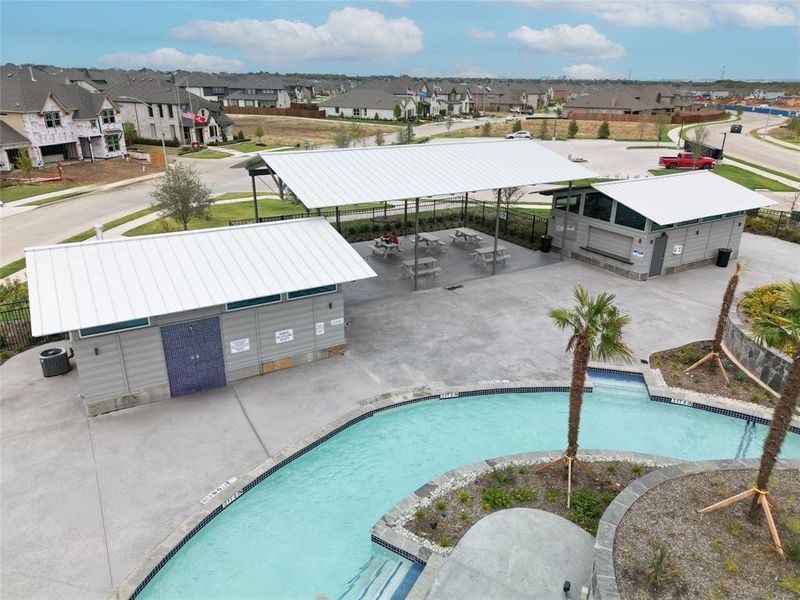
153, 131
149, 110
170, 111
160, 111
108, 116
616, 216
568, 204
52, 119
298, 294
117, 143
253, 302
114, 327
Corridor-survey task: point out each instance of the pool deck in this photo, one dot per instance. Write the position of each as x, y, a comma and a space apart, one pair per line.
85, 500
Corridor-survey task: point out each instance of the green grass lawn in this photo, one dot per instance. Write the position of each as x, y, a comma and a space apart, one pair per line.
205, 154
763, 168
251, 147
235, 195
539, 212
581, 182
54, 199
12, 268
18, 192
745, 178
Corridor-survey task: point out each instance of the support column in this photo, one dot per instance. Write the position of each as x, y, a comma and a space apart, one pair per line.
496, 231
255, 197
338, 222
566, 217
466, 208
405, 218
416, 242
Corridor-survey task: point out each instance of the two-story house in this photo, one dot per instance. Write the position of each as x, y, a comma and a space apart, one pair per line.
54, 120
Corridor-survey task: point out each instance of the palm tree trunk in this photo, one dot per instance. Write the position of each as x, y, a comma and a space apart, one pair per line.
781, 419
580, 362
724, 311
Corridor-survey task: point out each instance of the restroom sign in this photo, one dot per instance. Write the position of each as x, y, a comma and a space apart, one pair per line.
284, 335
242, 345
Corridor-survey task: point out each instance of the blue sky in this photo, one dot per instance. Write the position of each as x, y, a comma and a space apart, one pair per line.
532, 38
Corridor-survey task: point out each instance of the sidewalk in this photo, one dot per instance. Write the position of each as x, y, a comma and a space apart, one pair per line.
784, 180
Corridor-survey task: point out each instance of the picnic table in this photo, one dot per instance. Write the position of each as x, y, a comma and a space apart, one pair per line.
466, 236
427, 265
485, 255
384, 249
429, 242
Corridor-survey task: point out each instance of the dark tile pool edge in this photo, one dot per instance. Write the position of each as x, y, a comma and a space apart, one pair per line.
603, 582
133, 585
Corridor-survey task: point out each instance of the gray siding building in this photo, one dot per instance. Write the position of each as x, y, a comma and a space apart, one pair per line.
269, 320
652, 227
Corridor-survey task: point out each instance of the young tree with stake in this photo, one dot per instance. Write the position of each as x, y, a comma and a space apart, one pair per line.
181, 196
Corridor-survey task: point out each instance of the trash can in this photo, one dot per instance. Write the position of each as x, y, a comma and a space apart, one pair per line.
723, 256
55, 361
545, 243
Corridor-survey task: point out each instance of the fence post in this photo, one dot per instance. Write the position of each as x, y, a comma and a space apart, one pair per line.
483, 211
533, 228
405, 218
434, 211
466, 208
338, 223
778, 224
372, 222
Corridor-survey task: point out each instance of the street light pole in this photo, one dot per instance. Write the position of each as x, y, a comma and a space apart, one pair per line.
722, 150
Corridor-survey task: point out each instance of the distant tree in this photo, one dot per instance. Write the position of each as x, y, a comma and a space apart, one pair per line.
643, 121
341, 139
739, 111
379, 139
406, 135
398, 112
543, 130
697, 145
793, 125
449, 122
517, 126
662, 121
129, 130
357, 134
511, 195
181, 196
259, 132
603, 132
240, 136
486, 130
24, 163
572, 130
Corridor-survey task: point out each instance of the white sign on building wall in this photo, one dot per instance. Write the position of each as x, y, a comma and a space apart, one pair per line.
242, 345
284, 335
321, 328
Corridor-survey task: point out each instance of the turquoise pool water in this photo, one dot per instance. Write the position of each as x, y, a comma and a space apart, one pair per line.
304, 531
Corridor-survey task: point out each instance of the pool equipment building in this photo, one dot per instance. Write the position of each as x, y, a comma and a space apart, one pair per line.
166, 315
644, 228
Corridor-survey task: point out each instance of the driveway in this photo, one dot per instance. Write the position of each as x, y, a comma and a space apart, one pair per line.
84, 500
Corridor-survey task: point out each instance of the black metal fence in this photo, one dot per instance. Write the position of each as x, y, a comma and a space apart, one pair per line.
15, 328
777, 223
518, 225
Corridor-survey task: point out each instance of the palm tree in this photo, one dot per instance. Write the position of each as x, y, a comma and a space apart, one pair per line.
779, 331
596, 333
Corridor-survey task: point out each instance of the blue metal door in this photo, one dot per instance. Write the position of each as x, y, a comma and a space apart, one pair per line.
193, 351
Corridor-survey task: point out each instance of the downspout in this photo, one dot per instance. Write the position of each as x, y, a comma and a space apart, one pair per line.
255, 198
496, 230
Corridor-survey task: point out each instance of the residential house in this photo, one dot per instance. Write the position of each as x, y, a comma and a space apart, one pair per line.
628, 101
158, 109
55, 121
448, 98
250, 91
369, 103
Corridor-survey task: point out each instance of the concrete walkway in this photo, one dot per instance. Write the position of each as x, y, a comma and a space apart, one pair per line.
85, 500
517, 554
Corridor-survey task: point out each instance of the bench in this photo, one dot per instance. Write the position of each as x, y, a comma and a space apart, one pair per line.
385, 251
487, 260
606, 254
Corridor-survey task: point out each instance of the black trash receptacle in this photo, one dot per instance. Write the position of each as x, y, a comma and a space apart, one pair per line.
54, 361
723, 256
545, 243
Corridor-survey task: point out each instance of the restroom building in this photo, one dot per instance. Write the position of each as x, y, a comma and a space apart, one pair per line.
167, 315
644, 228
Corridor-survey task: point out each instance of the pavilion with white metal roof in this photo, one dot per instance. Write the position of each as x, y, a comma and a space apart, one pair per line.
342, 177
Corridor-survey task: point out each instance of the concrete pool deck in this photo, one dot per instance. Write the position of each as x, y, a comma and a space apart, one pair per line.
85, 500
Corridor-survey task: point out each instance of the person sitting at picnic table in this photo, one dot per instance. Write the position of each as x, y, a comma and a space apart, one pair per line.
390, 238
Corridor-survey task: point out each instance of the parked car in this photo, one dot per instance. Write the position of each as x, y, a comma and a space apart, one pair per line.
520, 135
511, 118
685, 160
736, 128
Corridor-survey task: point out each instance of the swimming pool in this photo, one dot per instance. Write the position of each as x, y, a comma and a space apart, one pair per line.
304, 531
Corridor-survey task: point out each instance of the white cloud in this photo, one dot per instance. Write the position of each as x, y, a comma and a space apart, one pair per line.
350, 33
171, 58
587, 71
757, 15
464, 69
480, 34
579, 41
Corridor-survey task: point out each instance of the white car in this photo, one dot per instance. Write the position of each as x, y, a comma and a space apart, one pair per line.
511, 118
520, 135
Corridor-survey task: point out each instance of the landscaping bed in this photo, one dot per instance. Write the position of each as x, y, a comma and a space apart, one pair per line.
447, 520
712, 556
765, 299
707, 378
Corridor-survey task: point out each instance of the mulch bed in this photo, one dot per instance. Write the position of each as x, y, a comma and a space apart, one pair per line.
714, 556
448, 519
707, 378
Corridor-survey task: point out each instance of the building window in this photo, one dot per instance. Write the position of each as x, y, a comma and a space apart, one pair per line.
337, 110
161, 110
597, 206
325, 289
574, 203
356, 112
52, 119
150, 110
250, 91
239, 304
712, 218
250, 103
93, 123
629, 218
152, 131
169, 111
172, 133
113, 143
108, 115
101, 329
218, 90
656, 227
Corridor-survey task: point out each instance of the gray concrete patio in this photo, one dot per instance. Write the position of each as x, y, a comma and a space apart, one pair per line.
517, 554
84, 500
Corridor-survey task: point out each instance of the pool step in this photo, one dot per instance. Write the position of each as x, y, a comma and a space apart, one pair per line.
378, 579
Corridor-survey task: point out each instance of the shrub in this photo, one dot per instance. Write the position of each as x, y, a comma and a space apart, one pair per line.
731, 566
13, 291
441, 505
767, 299
420, 514
496, 498
572, 130
637, 470
517, 126
552, 494
790, 582
464, 516
603, 132
792, 524
661, 567
504, 476
587, 508
445, 542
793, 551
733, 527
523, 494
464, 496
486, 130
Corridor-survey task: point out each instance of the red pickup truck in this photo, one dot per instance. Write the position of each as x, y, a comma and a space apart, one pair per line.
684, 160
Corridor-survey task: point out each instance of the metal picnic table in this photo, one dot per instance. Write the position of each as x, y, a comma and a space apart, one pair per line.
466, 236
429, 242
427, 265
384, 249
486, 255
